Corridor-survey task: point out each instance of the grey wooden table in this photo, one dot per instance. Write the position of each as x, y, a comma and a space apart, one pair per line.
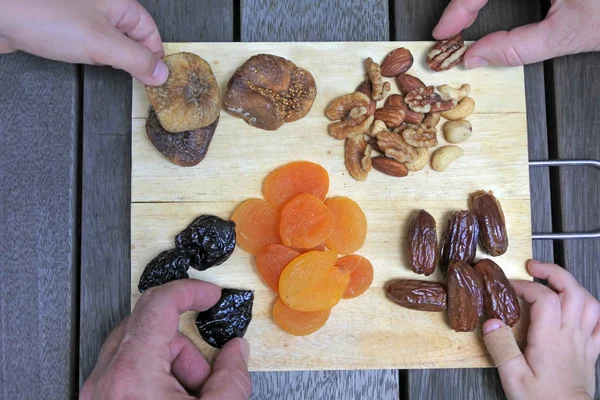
65, 189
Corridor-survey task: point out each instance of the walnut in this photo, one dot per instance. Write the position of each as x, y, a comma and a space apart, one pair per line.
351, 110
435, 99
393, 146
420, 136
365, 87
432, 119
358, 157
380, 88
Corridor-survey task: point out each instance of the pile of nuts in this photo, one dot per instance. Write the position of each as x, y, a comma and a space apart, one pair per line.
404, 128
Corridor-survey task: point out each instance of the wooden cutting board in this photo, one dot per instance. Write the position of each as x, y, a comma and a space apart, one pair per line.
370, 331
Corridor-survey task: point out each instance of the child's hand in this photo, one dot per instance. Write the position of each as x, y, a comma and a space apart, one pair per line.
563, 341
119, 33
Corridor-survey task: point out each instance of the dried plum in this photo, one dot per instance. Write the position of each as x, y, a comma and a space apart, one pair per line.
187, 148
227, 319
210, 241
169, 265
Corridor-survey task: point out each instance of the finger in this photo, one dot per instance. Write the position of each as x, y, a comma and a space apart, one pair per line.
134, 21
502, 347
596, 335
545, 312
572, 295
523, 45
189, 366
591, 314
458, 15
155, 318
230, 378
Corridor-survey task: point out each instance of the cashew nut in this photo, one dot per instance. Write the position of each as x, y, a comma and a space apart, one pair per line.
420, 161
457, 131
443, 156
448, 92
462, 110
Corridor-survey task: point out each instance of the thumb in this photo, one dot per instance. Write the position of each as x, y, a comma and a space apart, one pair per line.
230, 378
523, 45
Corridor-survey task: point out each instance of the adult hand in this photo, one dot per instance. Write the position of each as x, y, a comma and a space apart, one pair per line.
146, 357
571, 26
119, 33
563, 341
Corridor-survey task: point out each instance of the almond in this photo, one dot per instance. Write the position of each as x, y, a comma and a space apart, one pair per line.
407, 83
389, 166
391, 116
397, 62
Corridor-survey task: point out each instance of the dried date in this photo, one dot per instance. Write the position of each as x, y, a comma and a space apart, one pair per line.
421, 244
459, 242
417, 295
169, 265
465, 297
492, 226
499, 297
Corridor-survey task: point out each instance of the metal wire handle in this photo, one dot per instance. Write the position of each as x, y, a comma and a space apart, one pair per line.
561, 235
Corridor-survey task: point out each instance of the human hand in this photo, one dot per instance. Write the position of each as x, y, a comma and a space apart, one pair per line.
563, 341
571, 26
146, 357
119, 33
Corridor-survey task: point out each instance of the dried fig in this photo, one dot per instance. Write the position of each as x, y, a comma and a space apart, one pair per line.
417, 295
499, 297
465, 297
459, 242
492, 227
190, 99
421, 244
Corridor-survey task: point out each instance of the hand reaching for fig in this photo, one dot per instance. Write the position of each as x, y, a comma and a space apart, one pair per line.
563, 341
146, 357
119, 33
571, 26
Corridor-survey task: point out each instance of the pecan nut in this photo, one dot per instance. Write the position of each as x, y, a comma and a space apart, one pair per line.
407, 83
389, 166
358, 157
380, 88
421, 244
398, 101
492, 226
417, 295
447, 53
420, 136
351, 112
459, 241
499, 297
397, 62
435, 99
465, 297
393, 146
392, 116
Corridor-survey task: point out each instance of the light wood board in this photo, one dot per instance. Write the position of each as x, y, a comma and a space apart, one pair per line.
367, 332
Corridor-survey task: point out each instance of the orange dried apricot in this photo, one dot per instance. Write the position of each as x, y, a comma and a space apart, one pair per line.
271, 260
298, 323
305, 222
256, 225
311, 282
294, 179
320, 247
361, 274
350, 225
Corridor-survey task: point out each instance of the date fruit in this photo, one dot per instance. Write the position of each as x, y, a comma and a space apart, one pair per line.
417, 295
169, 265
492, 227
459, 242
465, 297
421, 244
499, 297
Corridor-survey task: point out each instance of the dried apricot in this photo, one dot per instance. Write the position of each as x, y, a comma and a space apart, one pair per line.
306, 222
298, 323
350, 225
361, 274
311, 282
320, 247
294, 179
257, 225
271, 260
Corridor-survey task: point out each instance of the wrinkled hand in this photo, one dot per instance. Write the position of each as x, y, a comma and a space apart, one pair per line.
119, 33
571, 26
145, 357
563, 341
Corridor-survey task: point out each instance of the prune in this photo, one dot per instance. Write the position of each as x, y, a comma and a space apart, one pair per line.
417, 295
459, 242
210, 241
186, 148
465, 297
499, 298
492, 227
168, 266
227, 319
421, 244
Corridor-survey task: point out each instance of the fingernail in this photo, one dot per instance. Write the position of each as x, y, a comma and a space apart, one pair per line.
490, 327
475, 62
245, 347
161, 72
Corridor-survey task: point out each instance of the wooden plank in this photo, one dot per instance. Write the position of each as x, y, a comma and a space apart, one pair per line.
327, 20
106, 172
38, 210
576, 82
415, 21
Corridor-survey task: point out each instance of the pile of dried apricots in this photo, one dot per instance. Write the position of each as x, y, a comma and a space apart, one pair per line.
296, 235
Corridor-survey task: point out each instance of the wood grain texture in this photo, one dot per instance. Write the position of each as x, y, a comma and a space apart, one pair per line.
415, 21
578, 136
38, 137
106, 172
